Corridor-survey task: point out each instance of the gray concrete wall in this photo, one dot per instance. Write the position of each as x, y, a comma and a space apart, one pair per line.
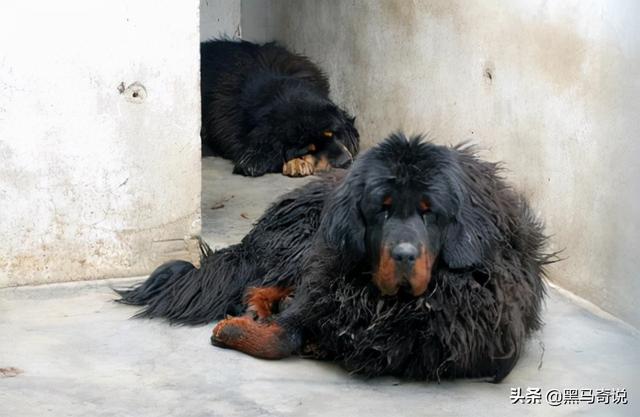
97, 180
219, 18
551, 88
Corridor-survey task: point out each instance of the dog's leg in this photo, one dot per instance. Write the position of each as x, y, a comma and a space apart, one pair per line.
261, 155
261, 301
255, 164
267, 341
274, 339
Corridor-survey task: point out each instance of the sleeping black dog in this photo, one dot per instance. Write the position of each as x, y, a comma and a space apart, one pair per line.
268, 110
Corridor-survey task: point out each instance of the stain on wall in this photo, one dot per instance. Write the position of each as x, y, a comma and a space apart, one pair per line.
550, 88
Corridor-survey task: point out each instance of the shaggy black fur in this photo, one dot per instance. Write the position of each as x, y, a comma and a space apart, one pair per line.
483, 297
263, 105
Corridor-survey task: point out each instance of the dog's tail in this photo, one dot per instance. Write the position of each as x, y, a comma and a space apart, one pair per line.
184, 294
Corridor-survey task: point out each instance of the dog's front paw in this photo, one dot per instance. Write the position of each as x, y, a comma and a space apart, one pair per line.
299, 167
229, 332
263, 302
267, 341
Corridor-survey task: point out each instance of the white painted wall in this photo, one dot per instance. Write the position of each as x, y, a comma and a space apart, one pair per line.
219, 18
94, 183
561, 106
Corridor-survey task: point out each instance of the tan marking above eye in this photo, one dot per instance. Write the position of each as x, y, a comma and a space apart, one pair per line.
327, 134
311, 148
423, 205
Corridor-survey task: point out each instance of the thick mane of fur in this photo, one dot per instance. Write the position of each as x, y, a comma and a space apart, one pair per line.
486, 292
483, 300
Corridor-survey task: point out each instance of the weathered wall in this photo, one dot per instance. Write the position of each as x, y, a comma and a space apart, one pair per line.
93, 181
219, 18
551, 88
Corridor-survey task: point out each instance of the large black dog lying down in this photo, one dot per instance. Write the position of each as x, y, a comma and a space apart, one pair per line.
268, 110
419, 262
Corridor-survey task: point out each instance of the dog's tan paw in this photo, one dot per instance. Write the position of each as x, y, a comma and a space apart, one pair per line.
299, 167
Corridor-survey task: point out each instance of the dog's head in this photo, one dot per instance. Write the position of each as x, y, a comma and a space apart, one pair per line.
404, 205
309, 124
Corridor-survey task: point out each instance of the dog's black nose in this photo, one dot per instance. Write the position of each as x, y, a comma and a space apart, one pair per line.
405, 253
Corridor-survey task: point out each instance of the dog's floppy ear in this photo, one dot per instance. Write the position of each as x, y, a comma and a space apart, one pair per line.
472, 232
464, 245
342, 226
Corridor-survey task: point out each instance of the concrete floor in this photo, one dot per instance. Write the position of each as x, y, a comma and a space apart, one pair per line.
68, 350
232, 203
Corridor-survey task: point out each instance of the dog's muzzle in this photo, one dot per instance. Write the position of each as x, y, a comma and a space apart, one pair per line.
338, 155
404, 267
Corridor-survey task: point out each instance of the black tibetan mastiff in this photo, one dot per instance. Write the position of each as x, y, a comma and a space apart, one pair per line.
419, 262
268, 110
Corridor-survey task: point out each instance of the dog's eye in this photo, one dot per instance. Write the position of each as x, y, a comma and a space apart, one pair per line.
386, 203
327, 134
424, 207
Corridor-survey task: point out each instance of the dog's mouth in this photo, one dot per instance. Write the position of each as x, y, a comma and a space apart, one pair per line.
330, 153
403, 269
338, 155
